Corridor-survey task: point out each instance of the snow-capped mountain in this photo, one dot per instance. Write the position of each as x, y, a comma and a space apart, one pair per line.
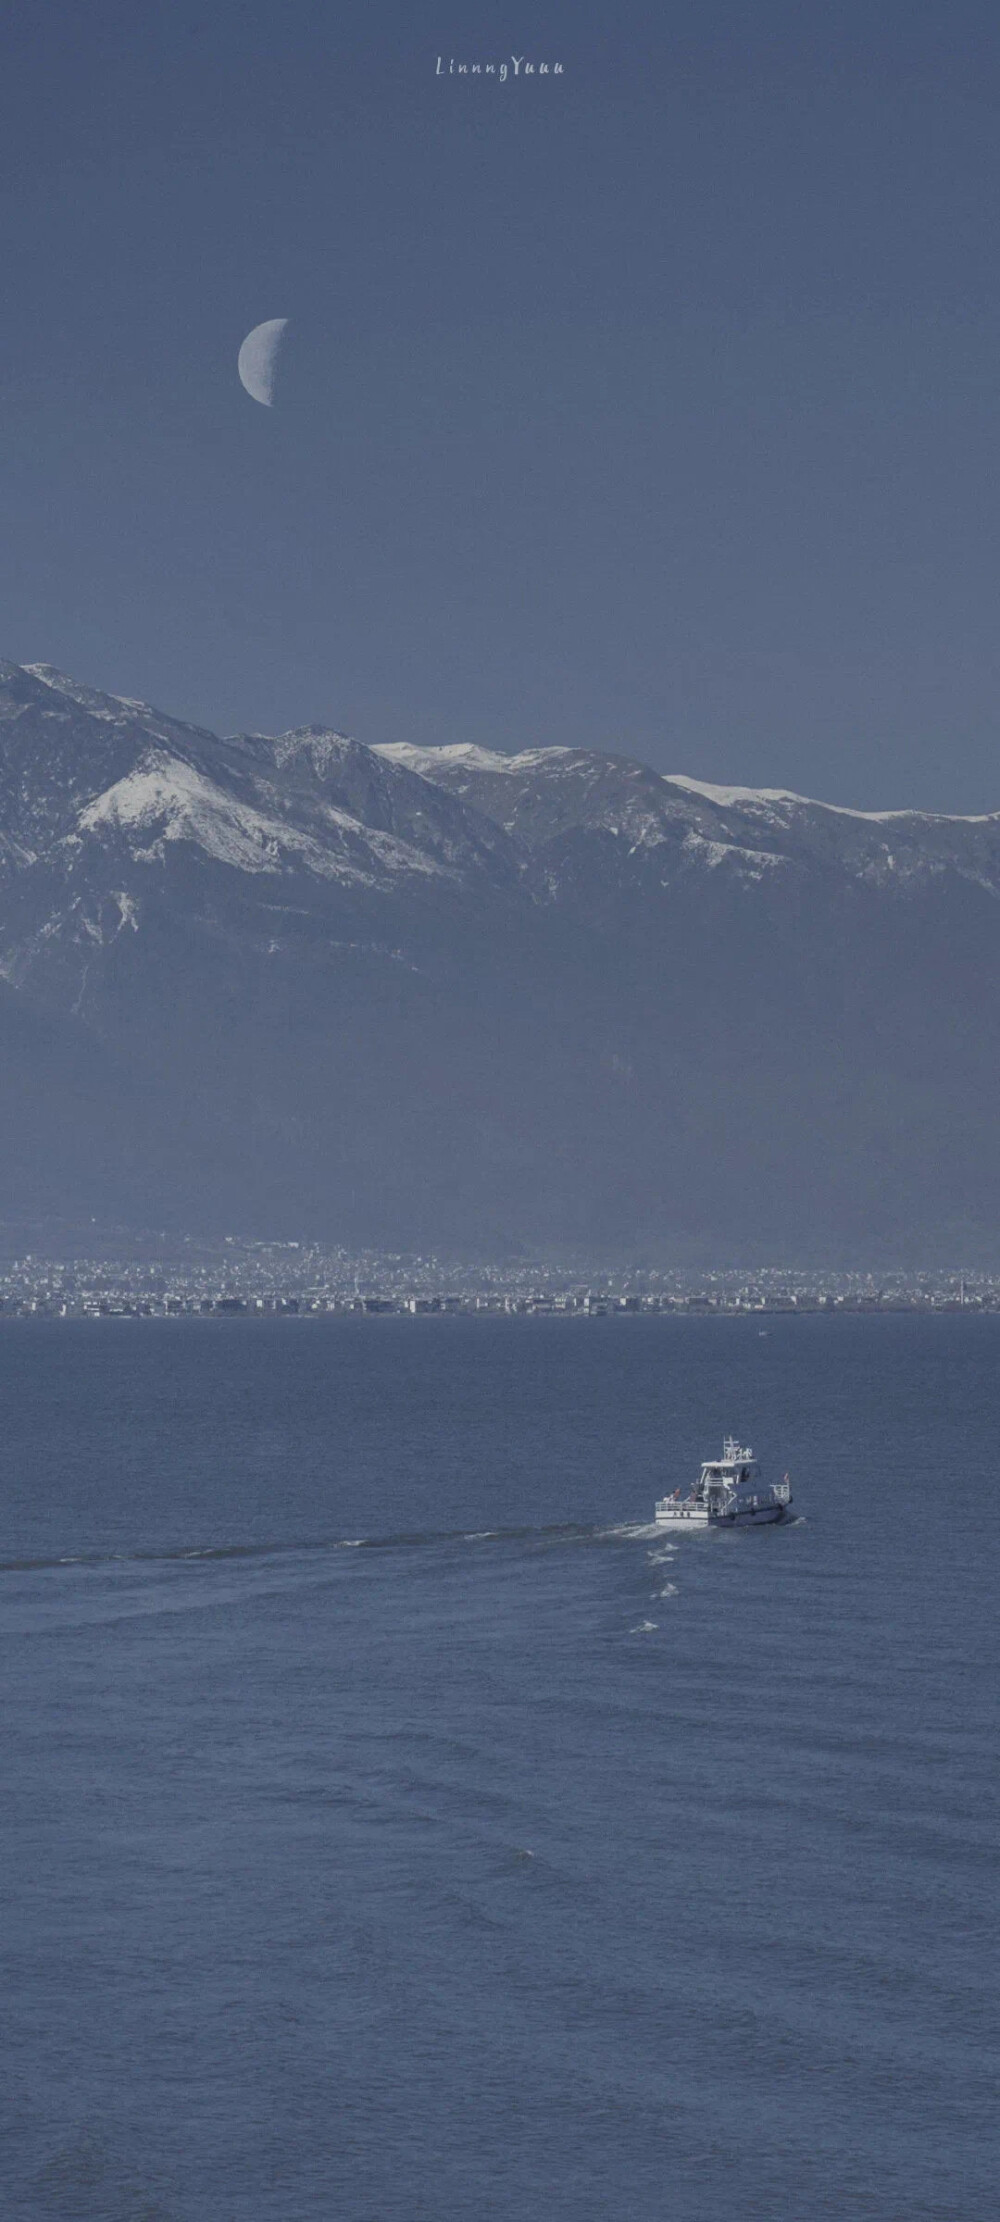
298, 984
547, 796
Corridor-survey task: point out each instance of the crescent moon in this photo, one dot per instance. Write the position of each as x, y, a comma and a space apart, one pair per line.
258, 359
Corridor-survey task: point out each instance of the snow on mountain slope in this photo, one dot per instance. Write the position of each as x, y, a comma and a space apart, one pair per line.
79, 769
109, 809
542, 794
165, 800
890, 848
83, 768
545, 796
112, 708
315, 770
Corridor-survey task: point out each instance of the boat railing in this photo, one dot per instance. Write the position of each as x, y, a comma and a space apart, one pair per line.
780, 1492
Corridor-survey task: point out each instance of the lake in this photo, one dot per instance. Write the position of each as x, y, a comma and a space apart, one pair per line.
396, 1831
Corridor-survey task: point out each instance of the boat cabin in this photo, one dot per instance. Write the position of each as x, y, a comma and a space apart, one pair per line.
719, 1476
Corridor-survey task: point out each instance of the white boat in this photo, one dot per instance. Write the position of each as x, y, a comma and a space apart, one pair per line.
728, 1493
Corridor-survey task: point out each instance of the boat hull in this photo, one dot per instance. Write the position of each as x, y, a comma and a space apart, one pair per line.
762, 1516
695, 1516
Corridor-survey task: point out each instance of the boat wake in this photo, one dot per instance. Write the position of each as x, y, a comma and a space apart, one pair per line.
300, 1547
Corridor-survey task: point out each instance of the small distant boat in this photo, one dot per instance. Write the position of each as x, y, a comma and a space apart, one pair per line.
728, 1493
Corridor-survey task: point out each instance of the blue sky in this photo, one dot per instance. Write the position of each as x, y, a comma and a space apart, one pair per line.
655, 407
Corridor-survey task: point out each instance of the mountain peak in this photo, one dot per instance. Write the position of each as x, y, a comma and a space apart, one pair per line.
89, 698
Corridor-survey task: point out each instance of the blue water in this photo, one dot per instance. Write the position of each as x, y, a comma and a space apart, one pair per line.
535, 1873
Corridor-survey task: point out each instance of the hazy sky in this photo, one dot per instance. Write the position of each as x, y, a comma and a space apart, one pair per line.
653, 407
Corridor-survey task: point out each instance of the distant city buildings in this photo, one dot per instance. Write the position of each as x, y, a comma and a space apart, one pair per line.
257, 1279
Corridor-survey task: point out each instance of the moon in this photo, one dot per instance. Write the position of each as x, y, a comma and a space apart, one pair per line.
258, 359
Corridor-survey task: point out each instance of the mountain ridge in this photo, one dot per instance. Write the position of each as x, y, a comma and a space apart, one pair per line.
415, 995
